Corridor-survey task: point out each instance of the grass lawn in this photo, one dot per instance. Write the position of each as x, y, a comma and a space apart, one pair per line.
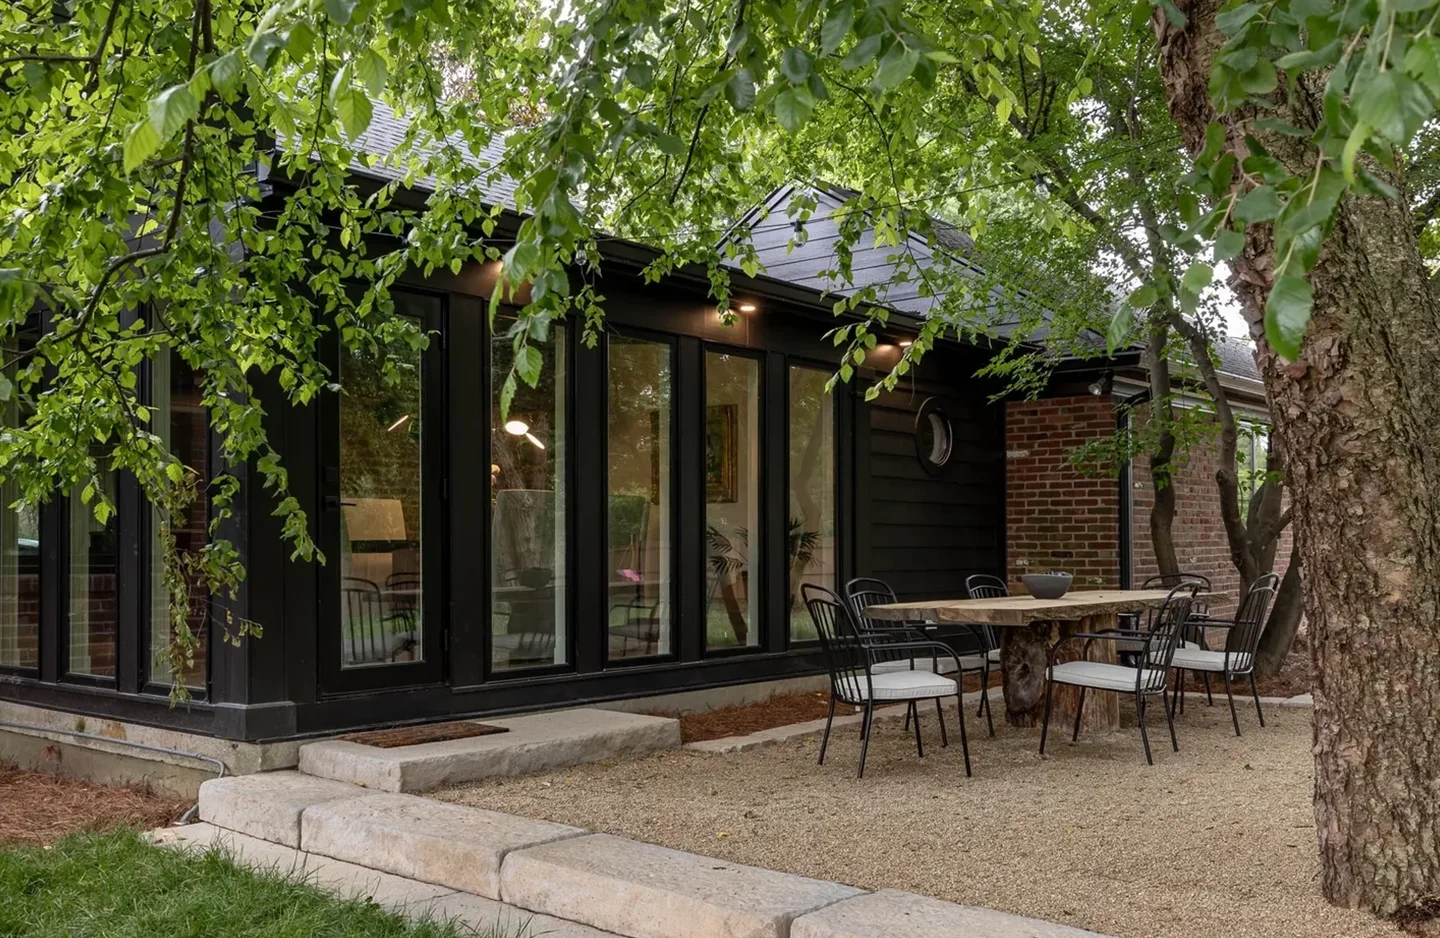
115, 885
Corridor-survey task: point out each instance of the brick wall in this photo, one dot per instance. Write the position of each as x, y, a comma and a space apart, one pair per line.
1057, 518
1199, 534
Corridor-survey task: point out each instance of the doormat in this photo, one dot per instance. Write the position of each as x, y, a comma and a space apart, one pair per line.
415, 735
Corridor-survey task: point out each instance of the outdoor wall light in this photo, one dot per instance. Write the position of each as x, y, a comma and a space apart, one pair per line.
517, 427
746, 307
906, 343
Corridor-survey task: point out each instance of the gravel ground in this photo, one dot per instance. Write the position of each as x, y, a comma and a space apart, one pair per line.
1214, 842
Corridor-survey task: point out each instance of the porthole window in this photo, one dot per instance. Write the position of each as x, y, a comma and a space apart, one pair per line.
934, 436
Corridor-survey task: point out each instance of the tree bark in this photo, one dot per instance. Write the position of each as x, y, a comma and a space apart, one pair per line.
1162, 511
1284, 620
1355, 419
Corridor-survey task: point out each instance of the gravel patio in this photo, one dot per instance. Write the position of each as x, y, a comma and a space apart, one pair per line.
1215, 842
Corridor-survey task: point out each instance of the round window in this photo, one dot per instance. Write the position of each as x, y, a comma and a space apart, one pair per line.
934, 436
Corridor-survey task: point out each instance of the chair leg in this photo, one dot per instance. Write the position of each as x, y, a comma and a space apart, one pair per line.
825, 739
919, 746
1180, 689
907, 717
1255, 692
865, 737
1179, 677
964, 742
1231, 697
940, 715
1144, 736
1170, 718
985, 702
1209, 700
984, 688
1079, 709
1045, 726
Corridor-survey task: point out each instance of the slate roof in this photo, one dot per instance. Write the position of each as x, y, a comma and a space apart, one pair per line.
387, 133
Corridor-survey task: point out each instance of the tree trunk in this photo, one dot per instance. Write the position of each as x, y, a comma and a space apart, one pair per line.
1284, 620
1355, 418
1162, 511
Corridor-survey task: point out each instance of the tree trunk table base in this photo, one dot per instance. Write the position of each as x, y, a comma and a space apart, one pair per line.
1024, 656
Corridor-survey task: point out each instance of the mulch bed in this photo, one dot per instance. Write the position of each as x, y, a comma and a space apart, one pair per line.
777, 711
1293, 679
415, 735
40, 809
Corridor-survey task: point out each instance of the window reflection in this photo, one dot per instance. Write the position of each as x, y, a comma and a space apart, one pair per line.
93, 606
639, 498
527, 511
19, 541
181, 422
810, 539
382, 612
732, 500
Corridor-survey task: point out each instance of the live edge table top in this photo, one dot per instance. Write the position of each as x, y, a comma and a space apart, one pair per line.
1023, 610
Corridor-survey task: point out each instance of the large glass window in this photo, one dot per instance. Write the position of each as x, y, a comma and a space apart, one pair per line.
180, 421
93, 601
19, 544
810, 537
527, 510
639, 498
380, 494
732, 500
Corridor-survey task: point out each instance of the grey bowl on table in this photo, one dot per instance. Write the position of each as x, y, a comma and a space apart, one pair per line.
1046, 585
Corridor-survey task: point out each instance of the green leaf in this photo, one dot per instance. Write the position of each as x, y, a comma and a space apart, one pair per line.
140, 144
640, 74
528, 364
795, 65
1358, 135
1228, 244
171, 109
836, 28
1422, 60
1234, 19
1394, 104
737, 40
1173, 13
793, 107
669, 143
355, 111
1197, 277
340, 11
1120, 325
1259, 79
370, 69
895, 65
1261, 204
1279, 126
263, 45
1287, 312
864, 51
225, 72
1323, 57
1143, 298
740, 90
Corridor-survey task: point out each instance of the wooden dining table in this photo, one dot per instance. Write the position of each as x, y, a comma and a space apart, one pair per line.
1029, 628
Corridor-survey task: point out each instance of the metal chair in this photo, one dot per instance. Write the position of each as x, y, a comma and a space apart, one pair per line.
1145, 680
863, 592
1195, 628
1242, 640
851, 656
986, 586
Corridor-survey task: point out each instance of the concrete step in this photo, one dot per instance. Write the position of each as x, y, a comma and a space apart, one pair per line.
535, 743
646, 891
417, 838
414, 900
268, 805
890, 913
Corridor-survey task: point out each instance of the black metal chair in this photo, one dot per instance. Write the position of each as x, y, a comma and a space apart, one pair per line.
1195, 629
363, 613
851, 656
1157, 648
1242, 641
986, 586
863, 592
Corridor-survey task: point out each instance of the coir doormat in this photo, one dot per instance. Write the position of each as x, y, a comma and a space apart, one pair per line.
415, 735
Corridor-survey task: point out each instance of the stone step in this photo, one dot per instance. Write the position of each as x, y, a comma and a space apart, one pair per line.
414, 900
535, 743
645, 891
417, 838
890, 913
268, 805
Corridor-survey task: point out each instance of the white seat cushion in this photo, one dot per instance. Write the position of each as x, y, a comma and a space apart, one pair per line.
1197, 659
1103, 676
897, 685
946, 665
994, 656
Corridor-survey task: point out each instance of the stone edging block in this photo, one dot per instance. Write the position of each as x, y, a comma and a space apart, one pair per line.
890, 913
422, 839
645, 891
268, 805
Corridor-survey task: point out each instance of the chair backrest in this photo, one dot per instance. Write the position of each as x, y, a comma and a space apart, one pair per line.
1170, 580
1166, 632
835, 625
1271, 580
363, 622
985, 586
865, 591
1244, 636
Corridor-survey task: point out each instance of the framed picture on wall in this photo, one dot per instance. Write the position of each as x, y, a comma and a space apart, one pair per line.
721, 476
